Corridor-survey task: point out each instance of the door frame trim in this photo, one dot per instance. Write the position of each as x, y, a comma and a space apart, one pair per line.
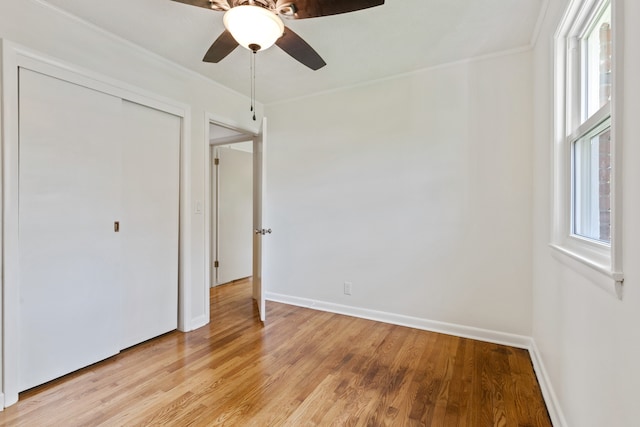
15, 56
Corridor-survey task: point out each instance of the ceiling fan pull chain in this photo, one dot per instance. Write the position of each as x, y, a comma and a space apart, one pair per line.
253, 83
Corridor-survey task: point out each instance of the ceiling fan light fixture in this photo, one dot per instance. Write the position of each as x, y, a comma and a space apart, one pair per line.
253, 26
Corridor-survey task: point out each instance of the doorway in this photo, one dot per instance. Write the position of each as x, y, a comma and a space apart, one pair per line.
231, 211
224, 138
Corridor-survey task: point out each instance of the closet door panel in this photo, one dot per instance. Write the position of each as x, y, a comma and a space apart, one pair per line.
149, 226
69, 196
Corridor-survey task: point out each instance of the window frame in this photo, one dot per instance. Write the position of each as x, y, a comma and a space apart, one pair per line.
599, 261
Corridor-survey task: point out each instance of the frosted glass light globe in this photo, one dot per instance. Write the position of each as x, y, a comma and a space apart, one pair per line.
253, 25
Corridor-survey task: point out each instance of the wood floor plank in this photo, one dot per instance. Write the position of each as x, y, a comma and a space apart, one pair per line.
455, 408
391, 358
301, 368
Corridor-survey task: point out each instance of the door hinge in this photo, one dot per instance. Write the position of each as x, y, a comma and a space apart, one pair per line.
216, 161
216, 264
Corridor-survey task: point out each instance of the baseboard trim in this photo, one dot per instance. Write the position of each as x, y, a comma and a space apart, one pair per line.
553, 405
2, 402
496, 337
513, 340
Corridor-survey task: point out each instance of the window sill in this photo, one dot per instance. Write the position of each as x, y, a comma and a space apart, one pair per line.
604, 277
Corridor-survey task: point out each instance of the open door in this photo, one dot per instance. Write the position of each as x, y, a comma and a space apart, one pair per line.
259, 187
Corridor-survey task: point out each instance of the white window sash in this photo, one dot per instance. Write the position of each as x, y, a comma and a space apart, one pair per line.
585, 255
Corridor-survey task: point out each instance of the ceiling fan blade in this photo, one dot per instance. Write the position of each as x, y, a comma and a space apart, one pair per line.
300, 50
315, 8
215, 5
223, 46
199, 3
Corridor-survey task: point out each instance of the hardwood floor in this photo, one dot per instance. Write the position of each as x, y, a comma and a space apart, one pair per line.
304, 368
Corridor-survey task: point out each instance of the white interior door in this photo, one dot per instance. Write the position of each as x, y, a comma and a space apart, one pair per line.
149, 222
259, 194
69, 187
234, 203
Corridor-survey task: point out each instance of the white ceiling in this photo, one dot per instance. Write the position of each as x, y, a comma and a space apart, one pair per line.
399, 37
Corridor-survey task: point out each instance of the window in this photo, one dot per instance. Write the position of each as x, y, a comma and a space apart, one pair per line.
590, 128
585, 171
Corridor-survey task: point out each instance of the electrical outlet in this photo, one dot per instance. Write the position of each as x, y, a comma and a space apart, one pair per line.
347, 288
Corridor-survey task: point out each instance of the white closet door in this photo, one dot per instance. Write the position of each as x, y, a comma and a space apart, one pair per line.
68, 252
149, 223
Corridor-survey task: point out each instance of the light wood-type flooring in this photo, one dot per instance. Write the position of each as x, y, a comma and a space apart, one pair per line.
304, 368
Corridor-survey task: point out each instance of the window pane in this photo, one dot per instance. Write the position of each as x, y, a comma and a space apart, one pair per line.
597, 64
592, 185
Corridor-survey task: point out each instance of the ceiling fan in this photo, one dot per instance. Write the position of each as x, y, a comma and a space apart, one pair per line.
257, 25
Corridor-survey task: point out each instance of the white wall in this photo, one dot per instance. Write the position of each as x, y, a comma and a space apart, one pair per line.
416, 189
589, 340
